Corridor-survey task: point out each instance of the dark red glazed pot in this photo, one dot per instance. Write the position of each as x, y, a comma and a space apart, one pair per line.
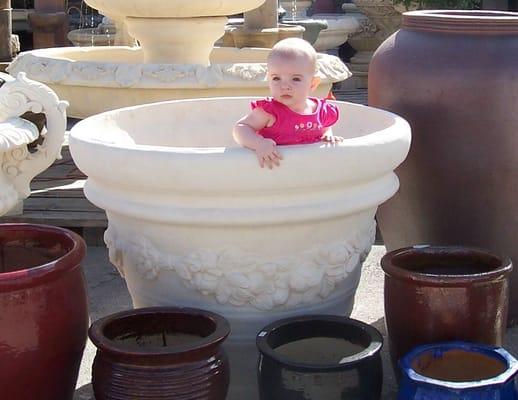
43, 312
160, 353
440, 294
453, 76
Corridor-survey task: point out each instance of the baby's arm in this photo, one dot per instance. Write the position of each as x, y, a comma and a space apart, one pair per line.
245, 133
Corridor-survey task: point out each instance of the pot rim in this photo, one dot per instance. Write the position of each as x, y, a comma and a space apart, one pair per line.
374, 347
392, 270
71, 259
494, 352
489, 21
103, 343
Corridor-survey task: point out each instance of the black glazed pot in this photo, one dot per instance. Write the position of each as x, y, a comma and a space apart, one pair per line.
320, 357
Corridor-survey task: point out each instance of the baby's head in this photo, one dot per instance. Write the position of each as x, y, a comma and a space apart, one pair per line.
292, 65
295, 50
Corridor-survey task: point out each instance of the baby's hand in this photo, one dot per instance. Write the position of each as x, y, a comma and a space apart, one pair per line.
267, 154
332, 139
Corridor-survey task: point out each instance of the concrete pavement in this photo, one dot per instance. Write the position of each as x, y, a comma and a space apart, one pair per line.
108, 294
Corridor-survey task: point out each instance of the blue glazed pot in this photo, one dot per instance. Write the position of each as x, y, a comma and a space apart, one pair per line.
458, 371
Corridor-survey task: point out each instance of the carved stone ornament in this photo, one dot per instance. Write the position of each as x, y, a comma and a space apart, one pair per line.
41, 66
240, 278
18, 165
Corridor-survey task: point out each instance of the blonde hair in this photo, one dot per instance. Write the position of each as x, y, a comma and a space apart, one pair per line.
293, 48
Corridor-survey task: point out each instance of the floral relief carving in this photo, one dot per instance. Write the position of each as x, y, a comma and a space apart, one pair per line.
236, 277
246, 72
93, 73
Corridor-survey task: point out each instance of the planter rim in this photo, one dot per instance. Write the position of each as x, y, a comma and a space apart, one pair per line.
373, 348
102, 342
390, 269
70, 260
494, 352
461, 20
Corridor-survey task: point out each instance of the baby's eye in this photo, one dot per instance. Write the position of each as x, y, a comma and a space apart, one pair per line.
297, 79
276, 78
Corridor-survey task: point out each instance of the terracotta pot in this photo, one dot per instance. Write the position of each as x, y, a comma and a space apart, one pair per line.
452, 76
436, 294
319, 357
43, 312
160, 353
458, 370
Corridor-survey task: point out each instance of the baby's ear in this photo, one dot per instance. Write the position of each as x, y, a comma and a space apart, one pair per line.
315, 82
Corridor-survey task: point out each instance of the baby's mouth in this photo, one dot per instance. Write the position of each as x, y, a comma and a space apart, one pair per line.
286, 96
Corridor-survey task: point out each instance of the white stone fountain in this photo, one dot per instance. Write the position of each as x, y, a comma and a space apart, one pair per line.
176, 59
194, 221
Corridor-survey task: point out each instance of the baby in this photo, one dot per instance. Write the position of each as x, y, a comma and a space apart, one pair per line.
290, 116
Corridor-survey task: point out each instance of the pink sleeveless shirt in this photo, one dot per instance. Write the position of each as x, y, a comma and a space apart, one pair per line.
291, 127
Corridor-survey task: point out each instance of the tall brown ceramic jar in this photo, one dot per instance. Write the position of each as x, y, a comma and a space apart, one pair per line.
440, 294
160, 353
43, 312
453, 76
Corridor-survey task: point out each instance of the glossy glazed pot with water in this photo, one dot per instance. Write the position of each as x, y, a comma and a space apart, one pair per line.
458, 370
452, 75
43, 312
437, 294
160, 353
319, 357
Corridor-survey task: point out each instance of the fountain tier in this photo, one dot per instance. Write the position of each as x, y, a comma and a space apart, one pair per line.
175, 31
194, 221
97, 79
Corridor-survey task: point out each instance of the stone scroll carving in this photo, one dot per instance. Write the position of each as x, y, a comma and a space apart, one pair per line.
240, 278
19, 165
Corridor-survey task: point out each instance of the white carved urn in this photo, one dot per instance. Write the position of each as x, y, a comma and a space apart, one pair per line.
339, 27
194, 221
384, 14
19, 165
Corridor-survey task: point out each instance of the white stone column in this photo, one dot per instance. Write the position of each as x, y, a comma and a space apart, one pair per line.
5, 30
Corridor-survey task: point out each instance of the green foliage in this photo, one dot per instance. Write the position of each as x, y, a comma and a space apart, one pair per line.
442, 4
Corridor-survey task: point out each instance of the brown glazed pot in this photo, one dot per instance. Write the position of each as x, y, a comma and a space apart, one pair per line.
160, 353
43, 312
440, 294
453, 76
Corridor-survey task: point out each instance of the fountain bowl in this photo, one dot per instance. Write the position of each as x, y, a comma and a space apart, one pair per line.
173, 8
194, 221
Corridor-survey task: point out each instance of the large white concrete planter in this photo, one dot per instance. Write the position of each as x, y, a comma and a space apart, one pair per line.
194, 221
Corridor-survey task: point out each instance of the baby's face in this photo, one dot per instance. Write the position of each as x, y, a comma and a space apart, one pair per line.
291, 81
